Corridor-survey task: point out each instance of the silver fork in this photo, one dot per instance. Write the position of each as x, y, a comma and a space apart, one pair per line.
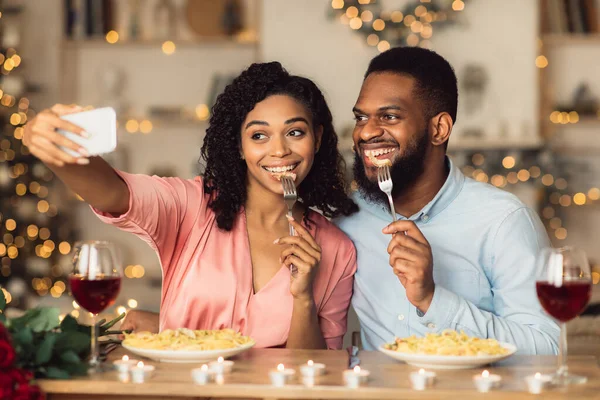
384, 179
289, 196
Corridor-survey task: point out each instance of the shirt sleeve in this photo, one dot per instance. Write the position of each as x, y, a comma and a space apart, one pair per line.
518, 317
334, 313
161, 211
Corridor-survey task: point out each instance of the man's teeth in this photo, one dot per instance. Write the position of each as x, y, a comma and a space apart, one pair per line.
379, 152
281, 169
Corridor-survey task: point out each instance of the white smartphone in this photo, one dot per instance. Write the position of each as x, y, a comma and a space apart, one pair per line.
100, 124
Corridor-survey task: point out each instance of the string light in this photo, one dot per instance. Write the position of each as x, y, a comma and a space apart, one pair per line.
541, 61
337, 4
168, 47
112, 37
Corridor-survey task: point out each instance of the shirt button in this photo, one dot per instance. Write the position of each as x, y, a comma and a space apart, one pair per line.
425, 217
400, 317
431, 325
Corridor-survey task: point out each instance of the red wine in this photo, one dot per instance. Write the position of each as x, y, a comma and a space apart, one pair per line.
95, 295
566, 302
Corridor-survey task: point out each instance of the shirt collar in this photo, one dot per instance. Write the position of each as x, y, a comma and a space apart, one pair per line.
451, 188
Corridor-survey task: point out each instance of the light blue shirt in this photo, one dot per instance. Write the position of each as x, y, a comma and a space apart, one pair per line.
484, 243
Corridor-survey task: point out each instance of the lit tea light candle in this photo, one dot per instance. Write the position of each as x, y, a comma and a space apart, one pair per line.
140, 372
536, 383
312, 369
221, 366
486, 381
422, 379
281, 375
354, 377
123, 366
202, 375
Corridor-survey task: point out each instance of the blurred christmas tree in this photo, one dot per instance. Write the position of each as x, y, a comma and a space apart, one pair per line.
35, 234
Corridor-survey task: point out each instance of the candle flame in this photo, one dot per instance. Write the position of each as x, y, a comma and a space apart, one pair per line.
204, 367
125, 358
538, 375
280, 367
310, 363
357, 369
220, 359
421, 371
140, 364
485, 374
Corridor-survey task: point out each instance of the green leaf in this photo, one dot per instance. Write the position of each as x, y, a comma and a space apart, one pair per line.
2, 300
44, 352
77, 341
57, 373
47, 320
69, 324
70, 357
23, 336
2, 318
80, 368
40, 319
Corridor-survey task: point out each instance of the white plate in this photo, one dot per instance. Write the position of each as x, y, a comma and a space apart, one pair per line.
188, 356
448, 362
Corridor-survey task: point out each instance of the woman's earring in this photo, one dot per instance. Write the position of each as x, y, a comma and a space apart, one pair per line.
353, 148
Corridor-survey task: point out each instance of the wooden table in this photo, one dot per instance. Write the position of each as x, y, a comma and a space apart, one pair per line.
388, 380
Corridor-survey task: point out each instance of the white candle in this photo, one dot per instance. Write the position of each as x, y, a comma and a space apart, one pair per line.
486, 381
202, 375
221, 366
535, 383
281, 375
354, 377
312, 369
420, 380
140, 372
123, 366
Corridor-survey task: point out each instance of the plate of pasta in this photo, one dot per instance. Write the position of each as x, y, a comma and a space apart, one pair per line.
187, 346
447, 350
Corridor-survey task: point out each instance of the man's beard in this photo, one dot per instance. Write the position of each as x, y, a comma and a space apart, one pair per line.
404, 171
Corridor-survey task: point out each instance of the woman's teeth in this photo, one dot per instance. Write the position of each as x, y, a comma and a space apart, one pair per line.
281, 169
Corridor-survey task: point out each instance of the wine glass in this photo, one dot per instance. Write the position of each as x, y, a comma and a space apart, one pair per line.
564, 287
95, 283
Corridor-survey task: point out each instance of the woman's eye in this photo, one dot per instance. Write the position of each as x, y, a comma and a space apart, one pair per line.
258, 136
296, 133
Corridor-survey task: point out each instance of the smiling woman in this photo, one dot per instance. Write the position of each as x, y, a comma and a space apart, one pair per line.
222, 239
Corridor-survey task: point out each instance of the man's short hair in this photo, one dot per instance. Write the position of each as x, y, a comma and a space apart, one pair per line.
436, 86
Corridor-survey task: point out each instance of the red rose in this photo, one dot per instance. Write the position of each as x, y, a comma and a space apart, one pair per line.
28, 392
3, 333
7, 354
7, 385
20, 376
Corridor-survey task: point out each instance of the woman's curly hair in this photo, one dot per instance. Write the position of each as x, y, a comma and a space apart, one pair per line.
225, 176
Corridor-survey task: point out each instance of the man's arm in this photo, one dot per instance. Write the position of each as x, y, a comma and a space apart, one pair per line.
518, 317
511, 269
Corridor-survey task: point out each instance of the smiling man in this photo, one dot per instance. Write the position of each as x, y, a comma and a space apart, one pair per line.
462, 253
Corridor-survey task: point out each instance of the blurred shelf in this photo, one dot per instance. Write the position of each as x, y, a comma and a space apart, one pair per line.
495, 144
101, 43
557, 39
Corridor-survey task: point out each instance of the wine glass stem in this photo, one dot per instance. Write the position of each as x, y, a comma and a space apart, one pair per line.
94, 354
563, 369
